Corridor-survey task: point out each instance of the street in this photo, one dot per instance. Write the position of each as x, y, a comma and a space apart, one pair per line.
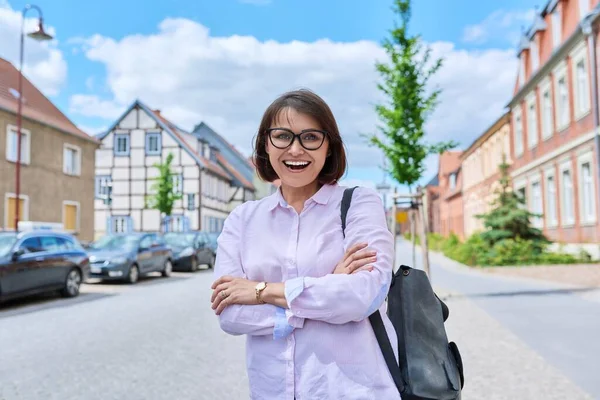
160, 340
156, 340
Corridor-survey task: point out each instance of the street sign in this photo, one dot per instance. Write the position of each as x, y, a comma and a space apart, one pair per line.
401, 217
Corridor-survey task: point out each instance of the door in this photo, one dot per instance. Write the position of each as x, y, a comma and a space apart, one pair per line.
70, 217
24, 274
145, 258
204, 251
160, 252
55, 264
11, 211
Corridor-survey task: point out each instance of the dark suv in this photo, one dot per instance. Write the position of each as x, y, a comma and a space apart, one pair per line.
41, 261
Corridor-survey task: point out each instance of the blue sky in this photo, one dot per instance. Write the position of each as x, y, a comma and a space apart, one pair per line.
92, 36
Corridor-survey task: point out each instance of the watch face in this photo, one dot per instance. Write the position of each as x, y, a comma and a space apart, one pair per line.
261, 286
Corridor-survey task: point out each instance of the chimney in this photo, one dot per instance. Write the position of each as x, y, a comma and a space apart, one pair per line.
157, 111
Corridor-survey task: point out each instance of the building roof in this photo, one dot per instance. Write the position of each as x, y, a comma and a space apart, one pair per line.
36, 106
180, 134
177, 133
204, 127
449, 162
495, 127
233, 171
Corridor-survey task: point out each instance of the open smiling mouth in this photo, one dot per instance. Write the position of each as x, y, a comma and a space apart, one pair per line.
296, 165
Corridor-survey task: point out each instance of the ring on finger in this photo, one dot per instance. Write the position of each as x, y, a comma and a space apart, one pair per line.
223, 294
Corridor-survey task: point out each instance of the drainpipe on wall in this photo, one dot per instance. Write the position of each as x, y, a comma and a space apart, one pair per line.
590, 33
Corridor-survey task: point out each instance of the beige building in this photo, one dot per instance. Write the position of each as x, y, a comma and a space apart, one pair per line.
57, 171
481, 173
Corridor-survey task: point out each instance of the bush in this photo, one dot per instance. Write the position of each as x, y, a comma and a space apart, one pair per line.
475, 251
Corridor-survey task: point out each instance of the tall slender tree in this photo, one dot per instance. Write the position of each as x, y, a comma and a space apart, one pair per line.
410, 99
165, 195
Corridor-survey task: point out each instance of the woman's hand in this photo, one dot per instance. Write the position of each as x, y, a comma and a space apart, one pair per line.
228, 290
356, 259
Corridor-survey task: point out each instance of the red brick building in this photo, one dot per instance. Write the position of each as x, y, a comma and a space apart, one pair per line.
554, 123
450, 194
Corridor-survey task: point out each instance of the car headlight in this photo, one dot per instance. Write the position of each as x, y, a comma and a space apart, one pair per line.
118, 260
186, 252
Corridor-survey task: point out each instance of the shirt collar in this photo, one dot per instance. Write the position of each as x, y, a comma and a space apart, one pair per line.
321, 197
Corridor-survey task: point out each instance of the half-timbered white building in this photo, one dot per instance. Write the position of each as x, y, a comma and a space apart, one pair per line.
126, 173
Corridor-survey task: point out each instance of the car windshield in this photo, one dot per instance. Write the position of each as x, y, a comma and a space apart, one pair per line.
119, 242
180, 239
213, 236
6, 243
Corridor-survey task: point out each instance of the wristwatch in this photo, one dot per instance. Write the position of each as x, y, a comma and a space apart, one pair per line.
259, 288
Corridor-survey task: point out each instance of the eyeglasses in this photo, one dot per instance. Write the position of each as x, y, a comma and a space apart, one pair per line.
310, 139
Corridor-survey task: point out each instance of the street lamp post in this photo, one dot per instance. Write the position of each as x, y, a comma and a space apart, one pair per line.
41, 35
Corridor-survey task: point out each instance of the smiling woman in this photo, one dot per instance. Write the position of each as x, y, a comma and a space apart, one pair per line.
288, 278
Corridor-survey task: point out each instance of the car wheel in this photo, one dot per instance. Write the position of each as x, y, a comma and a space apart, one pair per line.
193, 264
72, 283
167, 269
212, 261
134, 274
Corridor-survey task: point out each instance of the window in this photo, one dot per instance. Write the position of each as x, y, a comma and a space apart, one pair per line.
177, 184
584, 8
71, 160
532, 138
71, 216
191, 201
547, 126
536, 203
103, 183
556, 28
31, 245
452, 181
535, 56
582, 102
206, 151
551, 215
153, 143
562, 102
121, 144
521, 70
588, 209
53, 243
522, 193
12, 144
120, 224
177, 223
518, 134
568, 211
10, 207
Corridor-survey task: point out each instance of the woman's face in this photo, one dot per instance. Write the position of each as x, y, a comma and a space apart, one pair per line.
296, 165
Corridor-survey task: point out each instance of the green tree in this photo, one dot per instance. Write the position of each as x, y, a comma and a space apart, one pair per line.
509, 217
164, 196
409, 101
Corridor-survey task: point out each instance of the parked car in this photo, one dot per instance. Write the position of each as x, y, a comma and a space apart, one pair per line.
190, 249
41, 261
129, 256
212, 238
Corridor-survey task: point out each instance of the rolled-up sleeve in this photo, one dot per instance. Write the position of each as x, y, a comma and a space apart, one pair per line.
236, 319
339, 298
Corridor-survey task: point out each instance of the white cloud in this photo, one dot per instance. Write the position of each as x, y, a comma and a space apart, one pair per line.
501, 24
44, 64
229, 81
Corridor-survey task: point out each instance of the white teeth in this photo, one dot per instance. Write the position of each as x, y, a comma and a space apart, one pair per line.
296, 163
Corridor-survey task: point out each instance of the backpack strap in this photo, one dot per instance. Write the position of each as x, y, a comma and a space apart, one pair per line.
375, 318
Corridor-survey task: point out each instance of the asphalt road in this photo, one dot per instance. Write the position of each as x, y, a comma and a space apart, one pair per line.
156, 340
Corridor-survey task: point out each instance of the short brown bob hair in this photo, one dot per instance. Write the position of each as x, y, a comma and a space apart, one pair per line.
308, 103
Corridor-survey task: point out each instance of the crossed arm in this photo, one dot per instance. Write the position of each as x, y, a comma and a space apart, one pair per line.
355, 289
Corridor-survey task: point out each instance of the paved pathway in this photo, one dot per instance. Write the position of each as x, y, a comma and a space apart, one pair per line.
521, 339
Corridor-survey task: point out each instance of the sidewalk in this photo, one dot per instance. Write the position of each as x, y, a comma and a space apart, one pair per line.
499, 364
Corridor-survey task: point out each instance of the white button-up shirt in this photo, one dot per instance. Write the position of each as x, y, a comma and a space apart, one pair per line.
323, 346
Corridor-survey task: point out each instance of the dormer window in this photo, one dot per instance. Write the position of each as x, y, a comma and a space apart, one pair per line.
206, 151
535, 55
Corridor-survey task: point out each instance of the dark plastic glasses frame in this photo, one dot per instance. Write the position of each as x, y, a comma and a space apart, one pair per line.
297, 135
